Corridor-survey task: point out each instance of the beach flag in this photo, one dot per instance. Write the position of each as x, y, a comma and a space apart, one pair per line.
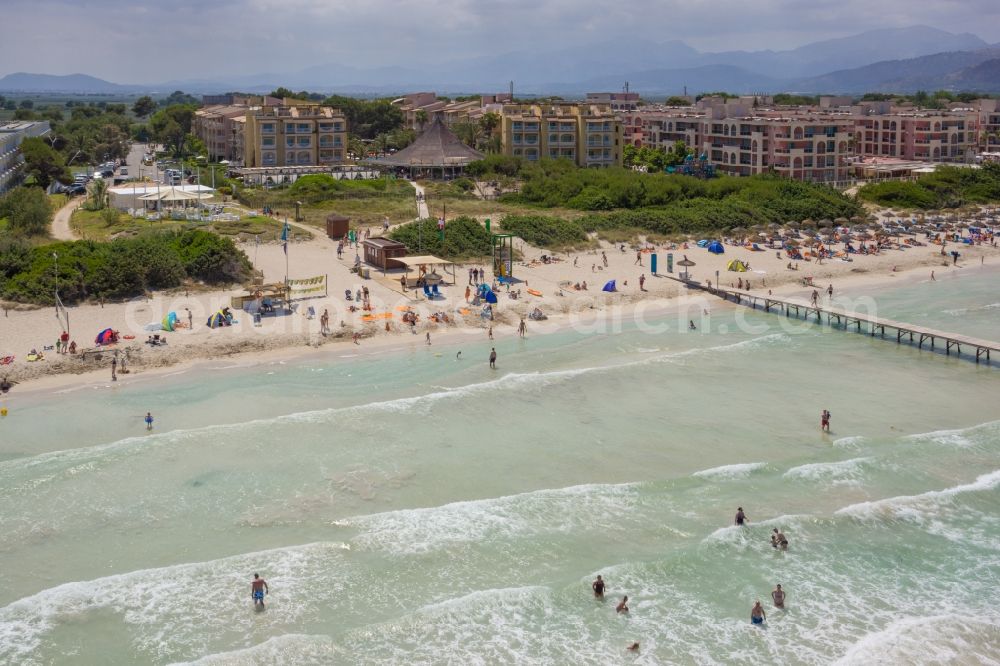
284, 237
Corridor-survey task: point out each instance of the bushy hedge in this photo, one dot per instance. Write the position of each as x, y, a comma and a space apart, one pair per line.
322, 183
947, 187
738, 201
122, 268
464, 238
545, 231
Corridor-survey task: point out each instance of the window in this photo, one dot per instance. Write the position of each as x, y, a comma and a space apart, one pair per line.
289, 142
326, 127
304, 128
267, 142
290, 157
305, 157
305, 142
267, 158
267, 128
289, 128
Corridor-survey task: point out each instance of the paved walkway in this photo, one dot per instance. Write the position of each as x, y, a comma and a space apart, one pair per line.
60, 223
422, 211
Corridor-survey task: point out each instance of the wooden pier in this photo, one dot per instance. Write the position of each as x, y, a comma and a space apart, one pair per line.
863, 323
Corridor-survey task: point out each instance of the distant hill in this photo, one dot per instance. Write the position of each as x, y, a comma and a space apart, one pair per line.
963, 70
890, 60
70, 83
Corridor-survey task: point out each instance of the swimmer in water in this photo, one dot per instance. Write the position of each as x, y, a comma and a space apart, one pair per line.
757, 615
622, 606
458, 356
598, 587
778, 596
634, 647
258, 588
741, 517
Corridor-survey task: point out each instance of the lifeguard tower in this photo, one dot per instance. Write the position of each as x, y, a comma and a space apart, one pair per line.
503, 256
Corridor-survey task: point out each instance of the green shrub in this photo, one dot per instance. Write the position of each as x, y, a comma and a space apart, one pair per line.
123, 268
28, 211
464, 238
947, 187
545, 231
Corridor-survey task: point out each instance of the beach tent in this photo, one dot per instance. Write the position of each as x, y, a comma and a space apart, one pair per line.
737, 266
218, 319
715, 247
106, 337
610, 286
703, 243
487, 294
170, 321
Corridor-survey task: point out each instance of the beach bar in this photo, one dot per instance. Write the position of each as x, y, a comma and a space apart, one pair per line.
384, 252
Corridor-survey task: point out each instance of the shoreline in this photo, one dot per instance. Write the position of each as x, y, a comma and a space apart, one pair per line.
250, 351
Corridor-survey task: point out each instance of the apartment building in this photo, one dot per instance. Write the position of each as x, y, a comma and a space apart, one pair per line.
934, 136
664, 127
296, 133
802, 148
626, 105
11, 160
590, 135
426, 106
221, 129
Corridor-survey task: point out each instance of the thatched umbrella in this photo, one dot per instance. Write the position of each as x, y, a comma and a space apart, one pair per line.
810, 223
686, 263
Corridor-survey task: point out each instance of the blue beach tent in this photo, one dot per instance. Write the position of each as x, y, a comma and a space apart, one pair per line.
610, 286
715, 247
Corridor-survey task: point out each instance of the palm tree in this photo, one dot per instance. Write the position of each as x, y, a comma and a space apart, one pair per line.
99, 193
421, 118
488, 124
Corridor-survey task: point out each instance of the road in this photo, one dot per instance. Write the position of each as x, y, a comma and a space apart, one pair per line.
60, 222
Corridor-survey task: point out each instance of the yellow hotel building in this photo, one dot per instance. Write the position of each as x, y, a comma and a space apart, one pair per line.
589, 135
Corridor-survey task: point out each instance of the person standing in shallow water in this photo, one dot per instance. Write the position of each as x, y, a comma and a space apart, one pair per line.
598, 587
824, 421
741, 517
757, 614
258, 588
493, 358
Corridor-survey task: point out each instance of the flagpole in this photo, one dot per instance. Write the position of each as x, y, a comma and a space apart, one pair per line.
284, 232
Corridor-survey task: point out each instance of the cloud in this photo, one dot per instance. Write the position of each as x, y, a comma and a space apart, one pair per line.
146, 40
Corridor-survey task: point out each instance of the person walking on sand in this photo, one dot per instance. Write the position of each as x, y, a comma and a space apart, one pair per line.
258, 588
114, 368
190, 318
933, 279
829, 292
490, 333
324, 322
468, 293
149, 421
778, 597
522, 328
604, 259
638, 258
428, 337
493, 358
757, 615
824, 421
741, 518
642, 282
598, 587
815, 298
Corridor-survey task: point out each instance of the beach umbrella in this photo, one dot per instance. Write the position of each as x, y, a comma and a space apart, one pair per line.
685, 262
841, 221
826, 222
809, 223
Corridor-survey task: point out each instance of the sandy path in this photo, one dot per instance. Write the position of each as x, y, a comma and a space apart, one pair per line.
422, 211
60, 223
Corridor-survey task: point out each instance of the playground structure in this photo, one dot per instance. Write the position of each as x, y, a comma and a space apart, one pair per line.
700, 168
503, 256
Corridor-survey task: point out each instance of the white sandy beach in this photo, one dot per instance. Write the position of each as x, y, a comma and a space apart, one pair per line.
24, 329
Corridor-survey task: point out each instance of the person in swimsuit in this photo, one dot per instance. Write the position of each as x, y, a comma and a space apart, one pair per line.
780, 539
149, 421
757, 615
634, 647
258, 588
598, 587
741, 517
824, 421
778, 596
493, 357
622, 606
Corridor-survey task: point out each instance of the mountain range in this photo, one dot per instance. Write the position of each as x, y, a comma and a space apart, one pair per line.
890, 60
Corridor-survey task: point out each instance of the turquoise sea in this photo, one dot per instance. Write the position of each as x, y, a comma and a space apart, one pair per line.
410, 508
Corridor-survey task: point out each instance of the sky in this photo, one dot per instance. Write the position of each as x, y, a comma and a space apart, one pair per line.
147, 41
